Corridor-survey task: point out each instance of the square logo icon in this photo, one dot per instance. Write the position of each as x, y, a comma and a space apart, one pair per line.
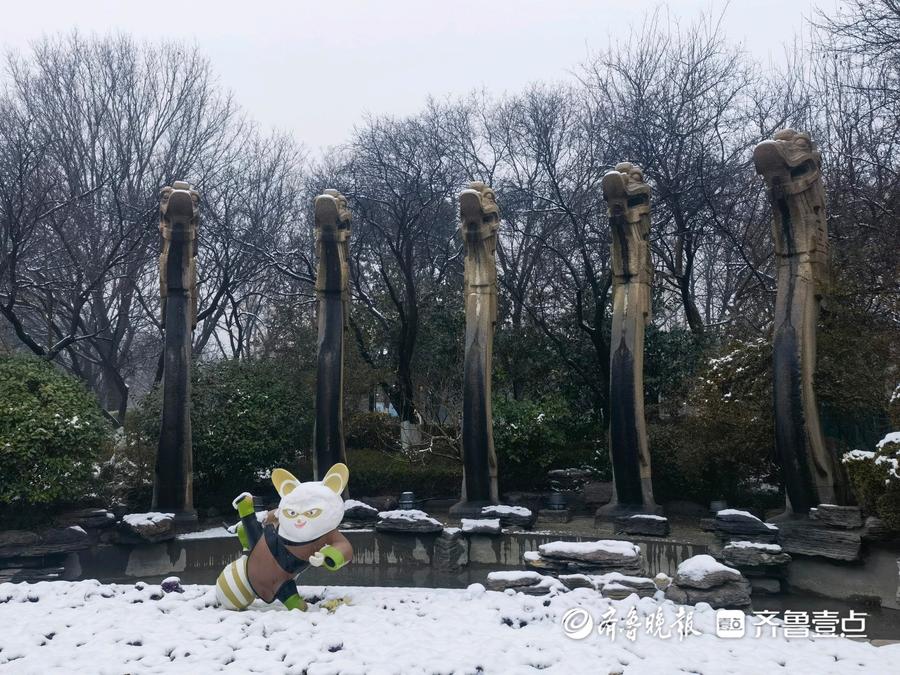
730, 623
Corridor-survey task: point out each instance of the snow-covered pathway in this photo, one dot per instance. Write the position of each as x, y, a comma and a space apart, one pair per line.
87, 627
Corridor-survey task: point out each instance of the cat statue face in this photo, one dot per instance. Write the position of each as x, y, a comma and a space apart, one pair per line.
309, 510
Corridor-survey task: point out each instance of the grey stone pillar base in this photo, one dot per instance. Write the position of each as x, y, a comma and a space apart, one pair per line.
613, 510
469, 509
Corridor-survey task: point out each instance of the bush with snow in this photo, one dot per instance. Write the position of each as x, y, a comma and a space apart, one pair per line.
875, 477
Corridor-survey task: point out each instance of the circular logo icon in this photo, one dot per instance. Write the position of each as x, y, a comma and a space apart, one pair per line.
577, 623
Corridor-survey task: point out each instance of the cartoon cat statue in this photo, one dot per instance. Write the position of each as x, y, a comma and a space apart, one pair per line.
301, 532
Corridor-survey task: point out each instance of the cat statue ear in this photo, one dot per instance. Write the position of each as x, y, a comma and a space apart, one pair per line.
284, 482
336, 478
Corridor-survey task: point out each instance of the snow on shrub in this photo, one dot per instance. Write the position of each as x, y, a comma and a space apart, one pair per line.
875, 477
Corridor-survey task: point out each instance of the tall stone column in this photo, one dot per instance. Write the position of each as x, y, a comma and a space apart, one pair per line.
179, 219
480, 219
791, 166
628, 201
333, 291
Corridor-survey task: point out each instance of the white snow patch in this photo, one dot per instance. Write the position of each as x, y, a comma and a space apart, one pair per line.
355, 503
515, 575
411, 515
615, 546
699, 566
505, 510
210, 533
769, 548
736, 512
893, 437
471, 524
647, 516
148, 518
857, 455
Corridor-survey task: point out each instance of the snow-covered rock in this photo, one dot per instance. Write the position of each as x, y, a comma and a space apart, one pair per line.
481, 526
509, 515
358, 512
147, 527
754, 554
531, 583
407, 520
704, 571
734, 523
599, 556
702, 578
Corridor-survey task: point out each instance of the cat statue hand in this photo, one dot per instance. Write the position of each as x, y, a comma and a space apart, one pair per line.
301, 532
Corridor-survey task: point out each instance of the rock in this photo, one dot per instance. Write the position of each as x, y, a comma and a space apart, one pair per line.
171, 585
662, 581
530, 583
597, 493
732, 594
805, 538
358, 512
510, 515
87, 518
603, 551
845, 517
642, 524
42, 542
587, 556
379, 503
704, 572
875, 530
31, 574
732, 522
765, 586
481, 526
451, 551
407, 520
149, 527
754, 554
554, 516
573, 581
619, 586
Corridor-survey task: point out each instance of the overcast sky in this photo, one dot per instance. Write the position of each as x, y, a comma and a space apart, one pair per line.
315, 68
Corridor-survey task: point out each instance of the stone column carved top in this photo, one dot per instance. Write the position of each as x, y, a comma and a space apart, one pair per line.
179, 219
332, 219
628, 200
791, 165
479, 221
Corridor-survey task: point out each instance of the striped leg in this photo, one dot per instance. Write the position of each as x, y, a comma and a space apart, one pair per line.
232, 588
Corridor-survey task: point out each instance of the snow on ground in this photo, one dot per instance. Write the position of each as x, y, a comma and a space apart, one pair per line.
68, 627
